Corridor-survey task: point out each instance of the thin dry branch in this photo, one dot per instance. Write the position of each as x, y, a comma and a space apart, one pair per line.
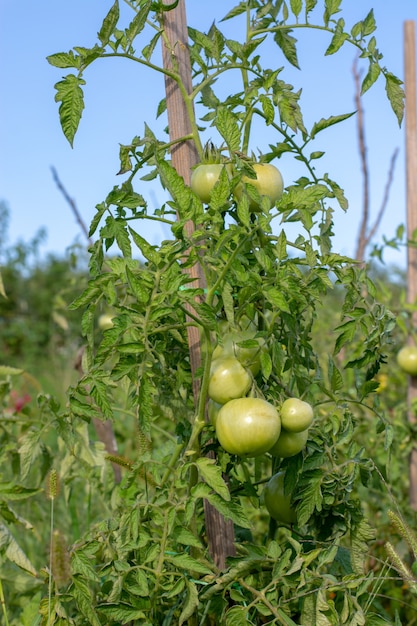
72, 204
366, 232
362, 237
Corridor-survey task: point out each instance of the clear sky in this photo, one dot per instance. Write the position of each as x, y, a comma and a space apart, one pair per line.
120, 96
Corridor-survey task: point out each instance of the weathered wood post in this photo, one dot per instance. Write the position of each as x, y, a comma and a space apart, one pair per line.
411, 200
220, 532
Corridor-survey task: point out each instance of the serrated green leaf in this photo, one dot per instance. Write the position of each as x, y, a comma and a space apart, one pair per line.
138, 23
9, 491
14, 552
121, 612
228, 303
371, 76
220, 193
268, 109
191, 602
288, 46
99, 391
230, 510
237, 616
242, 209
396, 95
82, 564
186, 562
148, 251
237, 10
64, 60
338, 39
71, 97
84, 601
296, 6
362, 536
185, 537
119, 231
227, 125
369, 24
327, 122
146, 396
281, 246
29, 449
109, 24
277, 299
310, 497
332, 7
212, 474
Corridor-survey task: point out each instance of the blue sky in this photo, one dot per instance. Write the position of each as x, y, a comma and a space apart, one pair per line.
120, 97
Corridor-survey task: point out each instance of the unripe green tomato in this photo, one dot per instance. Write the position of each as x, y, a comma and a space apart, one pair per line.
248, 426
204, 177
268, 182
289, 444
105, 321
248, 356
228, 380
296, 415
407, 360
277, 503
213, 409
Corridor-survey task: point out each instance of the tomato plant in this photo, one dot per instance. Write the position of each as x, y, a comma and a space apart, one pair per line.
147, 549
407, 360
247, 426
296, 415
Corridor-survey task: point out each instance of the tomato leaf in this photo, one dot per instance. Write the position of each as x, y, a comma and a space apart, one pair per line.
121, 612
191, 602
188, 563
371, 77
230, 510
138, 23
227, 125
327, 122
14, 552
109, 24
212, 474
71, 97
287, 44
395, 94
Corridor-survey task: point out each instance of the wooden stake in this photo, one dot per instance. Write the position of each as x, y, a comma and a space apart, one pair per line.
411, 199
175, 53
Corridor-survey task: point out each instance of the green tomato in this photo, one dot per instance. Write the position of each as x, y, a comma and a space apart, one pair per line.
407, 360
296, 415
268, 182
248, 426
213, 409
228, 380
277, 502
105, 321
244, 347
289, 444
204, 177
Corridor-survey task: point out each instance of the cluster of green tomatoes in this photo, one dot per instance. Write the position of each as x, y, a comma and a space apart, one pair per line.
248, 425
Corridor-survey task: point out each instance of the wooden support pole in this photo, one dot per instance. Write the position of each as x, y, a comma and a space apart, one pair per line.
175, 54
411, 200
